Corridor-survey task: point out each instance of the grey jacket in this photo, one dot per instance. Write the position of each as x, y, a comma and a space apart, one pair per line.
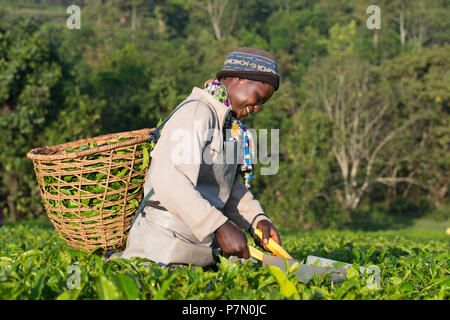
197, 184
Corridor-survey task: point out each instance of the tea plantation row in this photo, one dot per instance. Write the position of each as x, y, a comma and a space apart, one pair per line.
35, 263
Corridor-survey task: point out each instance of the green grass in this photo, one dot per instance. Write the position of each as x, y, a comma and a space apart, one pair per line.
427, 224
35, 263
378, 221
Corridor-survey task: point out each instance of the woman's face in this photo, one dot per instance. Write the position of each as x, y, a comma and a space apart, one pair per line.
247, 96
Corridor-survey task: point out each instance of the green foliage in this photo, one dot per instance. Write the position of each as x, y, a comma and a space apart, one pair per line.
40, 105
302, 185
35, 263
131, 63
287, 288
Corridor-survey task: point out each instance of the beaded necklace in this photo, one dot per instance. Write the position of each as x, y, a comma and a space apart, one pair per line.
239, 132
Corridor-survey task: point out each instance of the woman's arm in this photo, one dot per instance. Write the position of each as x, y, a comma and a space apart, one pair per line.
247, 213
176, 165
242, 208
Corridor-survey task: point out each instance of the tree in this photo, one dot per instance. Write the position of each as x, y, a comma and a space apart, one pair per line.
28, 75
354, 97
218, 12
39, 105
304, 181
420, 82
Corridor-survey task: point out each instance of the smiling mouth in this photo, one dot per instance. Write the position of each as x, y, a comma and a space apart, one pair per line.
245, 112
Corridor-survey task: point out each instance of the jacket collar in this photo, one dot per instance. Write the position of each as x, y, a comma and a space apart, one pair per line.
222, 110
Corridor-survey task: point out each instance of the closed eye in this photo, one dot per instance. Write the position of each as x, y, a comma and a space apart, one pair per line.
259, 100
263, 101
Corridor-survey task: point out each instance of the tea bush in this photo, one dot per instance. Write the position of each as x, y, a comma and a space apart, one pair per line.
35, 263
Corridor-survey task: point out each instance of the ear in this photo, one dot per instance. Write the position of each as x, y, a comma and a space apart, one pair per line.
240, 81
235, 82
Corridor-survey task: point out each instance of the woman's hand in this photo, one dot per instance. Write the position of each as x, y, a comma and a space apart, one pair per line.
268, 231
232, 240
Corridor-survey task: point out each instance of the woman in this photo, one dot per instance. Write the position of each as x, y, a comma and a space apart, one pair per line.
198, 197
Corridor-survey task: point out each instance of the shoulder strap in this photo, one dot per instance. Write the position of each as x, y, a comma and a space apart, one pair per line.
143, 204
154, 136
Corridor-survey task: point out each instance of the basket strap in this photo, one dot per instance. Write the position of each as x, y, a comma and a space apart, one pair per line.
142, 205
155, 134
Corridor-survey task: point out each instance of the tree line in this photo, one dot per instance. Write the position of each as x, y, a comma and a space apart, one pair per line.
363, 114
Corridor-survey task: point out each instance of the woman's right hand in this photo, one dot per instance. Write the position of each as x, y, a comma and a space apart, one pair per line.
232, 240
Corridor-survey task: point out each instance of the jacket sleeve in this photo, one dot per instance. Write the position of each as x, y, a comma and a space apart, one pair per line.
242, 208
175, 168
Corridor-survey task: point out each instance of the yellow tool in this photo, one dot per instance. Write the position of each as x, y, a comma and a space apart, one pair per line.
255, 253
272, 245
306, 271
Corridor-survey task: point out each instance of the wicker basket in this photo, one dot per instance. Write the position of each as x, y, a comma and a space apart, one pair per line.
92, 195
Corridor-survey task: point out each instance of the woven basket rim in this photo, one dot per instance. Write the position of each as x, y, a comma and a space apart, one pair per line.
41, 153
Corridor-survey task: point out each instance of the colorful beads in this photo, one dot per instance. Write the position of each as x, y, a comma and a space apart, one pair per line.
239, 131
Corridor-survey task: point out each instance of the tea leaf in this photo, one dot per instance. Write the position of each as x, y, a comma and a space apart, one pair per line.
128, 287
165, 285
287, 288
38, 284
146, 157
106, 289
69, 295
351, 273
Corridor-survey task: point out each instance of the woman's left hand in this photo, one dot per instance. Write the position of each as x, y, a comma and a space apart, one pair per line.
268, 231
